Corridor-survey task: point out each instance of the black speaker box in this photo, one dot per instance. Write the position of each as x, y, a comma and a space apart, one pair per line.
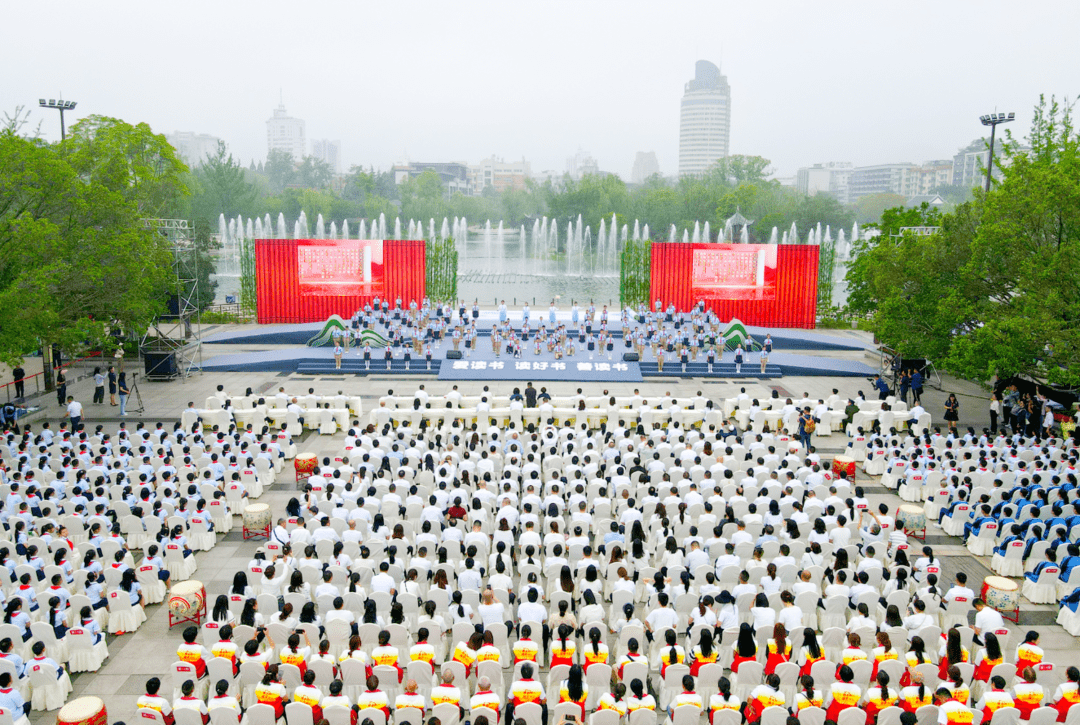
630, 357
453, 354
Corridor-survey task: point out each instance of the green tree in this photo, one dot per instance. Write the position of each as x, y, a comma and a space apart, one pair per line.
221, 186
868, 209
314, 173
77, 258
280, 170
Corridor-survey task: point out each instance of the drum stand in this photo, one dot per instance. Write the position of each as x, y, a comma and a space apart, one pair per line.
256, 533
195, 618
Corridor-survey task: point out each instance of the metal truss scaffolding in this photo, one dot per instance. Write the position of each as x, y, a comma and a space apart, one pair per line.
178, 331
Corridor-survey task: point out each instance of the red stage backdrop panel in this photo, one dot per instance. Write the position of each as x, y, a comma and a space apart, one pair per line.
769, 285
307, 280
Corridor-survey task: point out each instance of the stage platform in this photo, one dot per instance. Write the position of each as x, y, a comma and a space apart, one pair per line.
482, 364
783, 338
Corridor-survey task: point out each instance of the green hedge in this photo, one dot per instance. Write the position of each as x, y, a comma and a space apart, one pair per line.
635, 266
442, 270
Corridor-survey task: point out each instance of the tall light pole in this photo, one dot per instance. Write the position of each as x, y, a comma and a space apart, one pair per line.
46, 347
992, 120
60, 105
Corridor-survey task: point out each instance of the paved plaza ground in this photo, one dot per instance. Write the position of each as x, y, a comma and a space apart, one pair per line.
152, 649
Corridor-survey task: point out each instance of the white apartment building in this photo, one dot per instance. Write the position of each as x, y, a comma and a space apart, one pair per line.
286, 134
704, 120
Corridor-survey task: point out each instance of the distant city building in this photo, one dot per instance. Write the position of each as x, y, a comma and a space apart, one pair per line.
580, 164
328, 151
499, 175
831, 178
880, 179
285, 133
454, 175
934, 200
192, 147
931, 175
704, 120
645, 165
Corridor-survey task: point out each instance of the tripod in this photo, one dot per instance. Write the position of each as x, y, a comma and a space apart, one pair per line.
134, 390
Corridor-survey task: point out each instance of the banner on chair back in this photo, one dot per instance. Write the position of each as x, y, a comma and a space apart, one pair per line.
772, 285
308, 280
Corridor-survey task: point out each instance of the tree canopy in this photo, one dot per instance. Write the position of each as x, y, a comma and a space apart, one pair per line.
995, 292
76, 257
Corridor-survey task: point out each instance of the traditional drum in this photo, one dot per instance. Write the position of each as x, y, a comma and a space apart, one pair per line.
187, 602
83, 711
256, 521
1003, 595
305, 464
844, 465
912, 519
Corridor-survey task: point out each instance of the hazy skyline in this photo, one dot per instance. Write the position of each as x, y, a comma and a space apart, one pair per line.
811, 82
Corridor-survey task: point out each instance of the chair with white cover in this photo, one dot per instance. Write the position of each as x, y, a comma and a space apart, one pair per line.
187, 716
154, 590
55, 649
181, 673
1044, 589
1005, 716
530, 712
200, 537
180, 567
809, 715
446, 713
341, 715
1011, 563
890, 715
982, 544
147, 716
774, 715
641, 716
690, 714
224, 716
123, 615
746, 679
251, 674
604, 717
83, 654
299, 713
48, 691
1043, 716
673, 683
851, 716
955, 613
260, 714
377, 716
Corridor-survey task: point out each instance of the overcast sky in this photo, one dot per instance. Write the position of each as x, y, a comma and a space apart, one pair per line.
867, 82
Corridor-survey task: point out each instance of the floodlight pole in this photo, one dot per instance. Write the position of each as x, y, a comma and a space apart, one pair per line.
992, 121
46, 347
60, 105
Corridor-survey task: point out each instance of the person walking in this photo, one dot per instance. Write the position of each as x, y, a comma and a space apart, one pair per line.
61, 386
952, 411
806, 427
122, 388
916, 387
904, 383
99, 386
19, 376
74, 413
112, 386
995, 411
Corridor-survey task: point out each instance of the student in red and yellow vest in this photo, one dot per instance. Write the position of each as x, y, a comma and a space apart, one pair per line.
955, 653
385, 654
596, 652
192, 652
563, 647
722, 699
994, 699
310, 695
686, 698
1068, 693
763, 696
271, 692
335, 698
226, 648
1029, 653
411, 698
525, 649
574, 689
374, 697
488, 652
808, 696
884, 652
188, 701
484, 697
614, 700
955, 684
671, 653
778, 648
951, 712
293, 654
843, 694
915, 695
880, 697
526, 690
811, 651
703, 653
422, 651
745, 647
446, 693
640, 699
632, 655
989, 657
1028, 694
152, 701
